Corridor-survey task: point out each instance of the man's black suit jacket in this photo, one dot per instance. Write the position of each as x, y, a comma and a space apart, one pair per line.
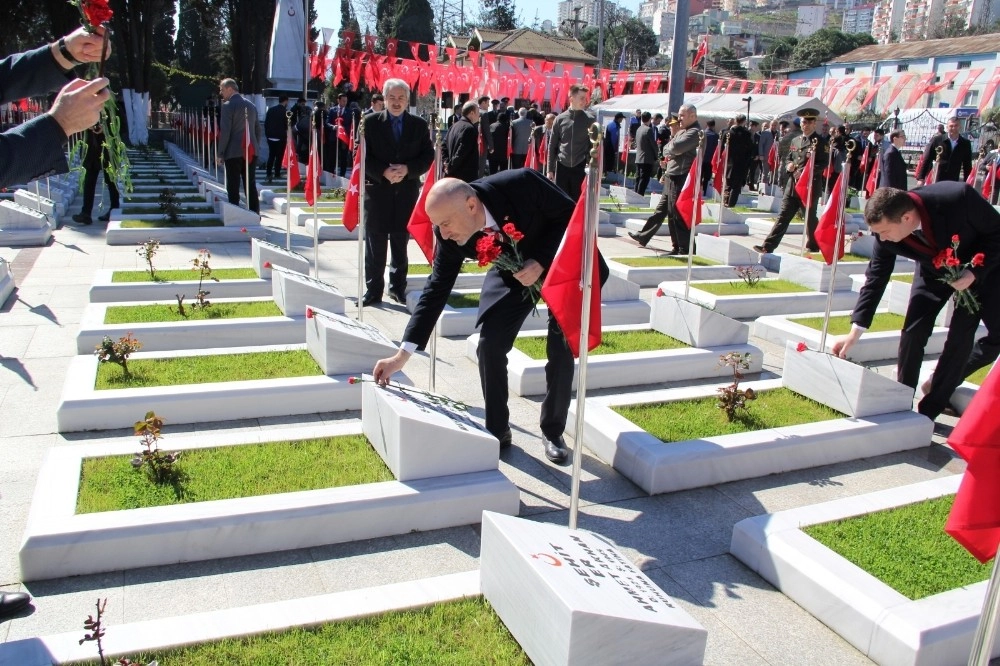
952, 209
276, 122
388, 205
955, 164
463, 151
539, 210
893, 169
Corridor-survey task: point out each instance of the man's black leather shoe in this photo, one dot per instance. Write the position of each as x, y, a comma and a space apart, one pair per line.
13, 602
398, 296
506, 440
105, 218
637, 238
555, 449
370, 299
761, 249
80, 218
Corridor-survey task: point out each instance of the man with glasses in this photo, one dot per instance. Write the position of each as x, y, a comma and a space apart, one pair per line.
791, 204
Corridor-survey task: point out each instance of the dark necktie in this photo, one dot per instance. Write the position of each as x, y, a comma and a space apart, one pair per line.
397, 127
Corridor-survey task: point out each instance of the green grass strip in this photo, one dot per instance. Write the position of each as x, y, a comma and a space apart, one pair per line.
459, 301
663, 260
467, 267
740, 288
182, 274
847, 258
903, 277
612, 342
979, 376
883, 321
612, 208
228, 472
906, 548
140, 314
694, 419
206, 369
162, 224
447, 634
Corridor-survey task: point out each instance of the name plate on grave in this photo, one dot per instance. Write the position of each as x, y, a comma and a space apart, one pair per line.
571, 597
342, 345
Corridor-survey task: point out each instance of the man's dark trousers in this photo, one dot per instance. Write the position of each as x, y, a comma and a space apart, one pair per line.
500, 327
236, 173
376, 244
790, 206
570, 179
275, 154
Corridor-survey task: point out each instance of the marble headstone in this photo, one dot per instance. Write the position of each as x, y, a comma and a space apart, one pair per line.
294, 291
627, 196
29, 199
420, 436
843, 385
570, 597
236, 216
619, 289
725, 251
262, 252
695, 325
6, 281
342, 345
15, 216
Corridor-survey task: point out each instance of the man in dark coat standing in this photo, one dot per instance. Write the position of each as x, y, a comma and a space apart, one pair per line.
398, 152
646, 153
238, 115
956, 156
340, 114
741, 154
276, 131
892, 170
462, 145
461, 212
919, 225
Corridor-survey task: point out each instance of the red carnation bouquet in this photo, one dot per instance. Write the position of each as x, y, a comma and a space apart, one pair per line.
500, 249
948, 262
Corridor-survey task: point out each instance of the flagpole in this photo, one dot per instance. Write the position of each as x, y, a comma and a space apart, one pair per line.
246, 155
828, 174
937, 161
362, 155
586, 283
809, 192
723, 158
695, 212
288, 181
432, 352
317, 174
982, 640
841, 204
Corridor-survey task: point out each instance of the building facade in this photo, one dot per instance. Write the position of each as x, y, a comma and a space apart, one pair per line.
858, 19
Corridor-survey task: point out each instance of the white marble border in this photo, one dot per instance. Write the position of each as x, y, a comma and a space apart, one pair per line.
58, 542
82, 407
526, 376
193, 628
116, 235
7, 285
103, 290
651, 276
754, 305
871, 616
659, 468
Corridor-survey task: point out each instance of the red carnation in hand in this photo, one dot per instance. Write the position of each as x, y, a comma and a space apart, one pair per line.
952, 261
801, 347
309, 313
954, 239
512, 232
96, 11
978, 259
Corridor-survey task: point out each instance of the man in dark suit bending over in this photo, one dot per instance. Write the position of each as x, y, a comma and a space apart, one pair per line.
918, 225
461, 214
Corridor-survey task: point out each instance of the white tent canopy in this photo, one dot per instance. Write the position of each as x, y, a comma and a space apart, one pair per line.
718, 106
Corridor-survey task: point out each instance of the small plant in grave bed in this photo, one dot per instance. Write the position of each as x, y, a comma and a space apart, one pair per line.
147, 250
732, 399
201, 264
95, 633
170, 205
111, 351
160, 466
749, 273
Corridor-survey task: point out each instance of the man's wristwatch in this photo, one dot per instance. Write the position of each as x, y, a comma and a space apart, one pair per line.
64, 51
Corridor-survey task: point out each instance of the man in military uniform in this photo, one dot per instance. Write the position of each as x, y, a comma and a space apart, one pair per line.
791, 204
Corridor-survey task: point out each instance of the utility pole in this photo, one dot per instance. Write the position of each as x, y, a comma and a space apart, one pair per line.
452, 13
576, 22
600, 37
678, 57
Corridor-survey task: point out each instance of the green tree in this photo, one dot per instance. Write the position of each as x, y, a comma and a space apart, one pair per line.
348, 21
407, 21
725, 58
627, 40
778, 56
824, 45
498, 15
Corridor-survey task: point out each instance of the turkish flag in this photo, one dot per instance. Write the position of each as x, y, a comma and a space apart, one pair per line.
563, 286
626, 141
420, 226
352, 202
802, 184
872, 183
974, 521
290, 161
772, 156
826, 230
532, 160
719, 159
342, 134
543, 149
931, 173
248, 151
991, 176
689, 200
313, 172
701, 53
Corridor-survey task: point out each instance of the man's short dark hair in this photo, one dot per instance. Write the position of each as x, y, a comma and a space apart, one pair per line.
484, 98
645, 116
578, 87
377, 97
711, 123
879, 130
895, 134
740, 119
302, 100
888, 204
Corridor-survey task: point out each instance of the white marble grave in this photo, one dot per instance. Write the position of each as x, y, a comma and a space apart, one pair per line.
843, 385
710, 215
342, 345
650, 276
196, 236
104, 290
7, 285
570, 597
726, 251
694, 324
237, 216
627, 196
262, 252
20, 225
293, 291
768, 203
883, 624
751, 305
53, 209
421, 436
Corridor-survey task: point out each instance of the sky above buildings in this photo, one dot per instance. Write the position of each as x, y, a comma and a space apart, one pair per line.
329, 10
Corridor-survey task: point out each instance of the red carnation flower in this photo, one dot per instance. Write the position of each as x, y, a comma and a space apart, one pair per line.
267, 264
243, 230
309, 313
978, 259
952, 261
954, 239
96, 11
353, 380
659, 292
801, 347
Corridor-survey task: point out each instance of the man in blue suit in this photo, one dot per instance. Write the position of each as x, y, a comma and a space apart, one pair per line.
461, 214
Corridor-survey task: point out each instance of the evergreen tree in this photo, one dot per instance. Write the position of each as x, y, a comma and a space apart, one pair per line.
498, 15
407, 21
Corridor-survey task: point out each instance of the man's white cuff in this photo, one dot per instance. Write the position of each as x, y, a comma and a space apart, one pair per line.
408, 347
859, 329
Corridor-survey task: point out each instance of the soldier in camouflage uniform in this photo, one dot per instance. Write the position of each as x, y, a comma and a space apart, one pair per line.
791, 204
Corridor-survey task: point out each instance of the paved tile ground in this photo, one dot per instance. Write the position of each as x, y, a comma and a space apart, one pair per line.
681, 540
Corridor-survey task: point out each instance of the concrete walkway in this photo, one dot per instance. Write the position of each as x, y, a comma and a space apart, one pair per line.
681, 540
